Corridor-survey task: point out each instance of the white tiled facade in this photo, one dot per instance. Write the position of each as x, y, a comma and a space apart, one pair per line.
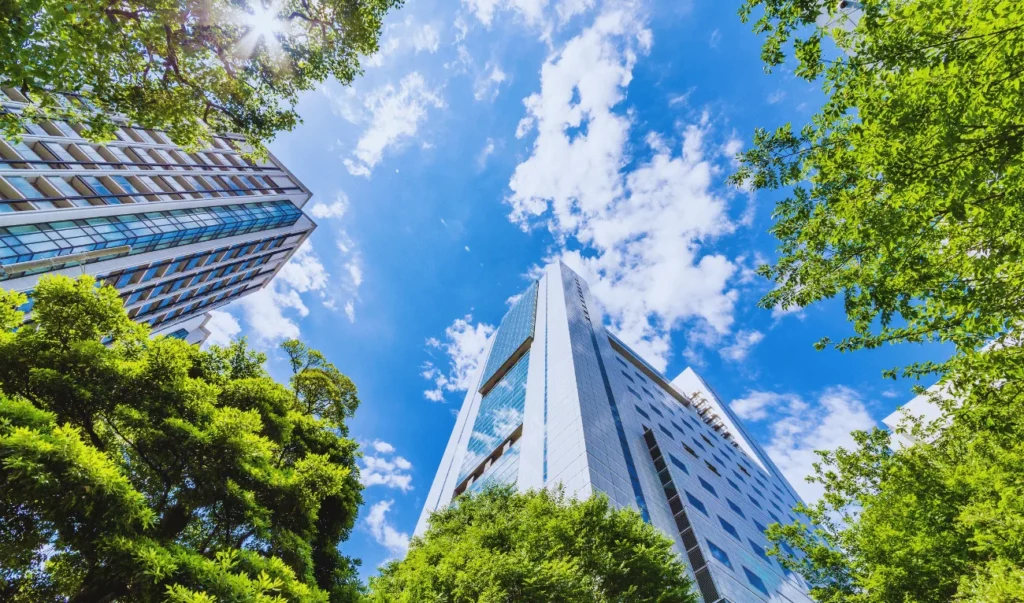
179, 234
594, 417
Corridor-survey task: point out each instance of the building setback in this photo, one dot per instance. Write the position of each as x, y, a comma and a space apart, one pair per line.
177, 233
560, 400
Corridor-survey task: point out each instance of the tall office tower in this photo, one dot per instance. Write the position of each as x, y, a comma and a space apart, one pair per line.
179, 234
560, 400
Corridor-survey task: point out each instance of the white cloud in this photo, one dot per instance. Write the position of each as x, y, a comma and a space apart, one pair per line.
355, 271
532, 11
776, 97
397, 543
743, 343
714, 38
223, 327
778, 312
489, 82
350, 310
395, 114
890, 393
646, 226
270, 312
336, 209
798, 429
385, 468
464, 345
487, 151
755, 406
405, 36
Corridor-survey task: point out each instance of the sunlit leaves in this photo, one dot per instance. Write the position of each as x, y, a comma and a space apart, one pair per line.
150, 470
539, 546
188, 67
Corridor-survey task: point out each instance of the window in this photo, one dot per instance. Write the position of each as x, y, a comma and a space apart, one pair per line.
718, 554
733, 484
728, 527
633, 391
756, 581
759, 551
754, 500
646, 392
665, 431
744, 470
657, 410
708, 486
690, 450
774, 517
621, 361
712, 468
717, 460
696, 503
678, 463
756, 491
642, 413
678, 428
739, 477
757, 524
705, 438
698, 444
736, 509
626, 375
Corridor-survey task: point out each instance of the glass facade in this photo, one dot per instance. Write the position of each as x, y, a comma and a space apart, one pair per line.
504, 471
595, 418
132, 202
516, 327
143, 232
500, 414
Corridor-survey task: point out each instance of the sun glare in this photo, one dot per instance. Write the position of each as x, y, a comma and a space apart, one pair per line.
263, 21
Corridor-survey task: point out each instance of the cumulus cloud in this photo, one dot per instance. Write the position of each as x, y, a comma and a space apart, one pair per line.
799, 428
647, 226
271, 311
464, 346
223, 327
393, 115
405, 36
741, 346
335, 209
397, 543
385, 468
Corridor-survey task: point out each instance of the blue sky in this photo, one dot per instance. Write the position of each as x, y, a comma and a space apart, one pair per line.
491, 136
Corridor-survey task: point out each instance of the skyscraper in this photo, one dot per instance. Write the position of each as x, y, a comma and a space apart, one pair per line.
179, 234
560, 400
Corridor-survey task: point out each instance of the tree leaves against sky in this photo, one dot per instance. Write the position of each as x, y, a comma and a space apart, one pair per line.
138, 469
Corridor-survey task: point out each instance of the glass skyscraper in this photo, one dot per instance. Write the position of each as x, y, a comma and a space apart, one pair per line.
179, 234
560, 400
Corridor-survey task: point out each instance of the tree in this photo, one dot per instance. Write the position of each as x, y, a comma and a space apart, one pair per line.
940, 521
503, 546
904, 189
904, 198
139, 469
188, 67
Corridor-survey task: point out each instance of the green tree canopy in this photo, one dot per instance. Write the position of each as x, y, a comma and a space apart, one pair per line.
138, 469
904, 189
500, 546
187, 67
941, 521
904, 198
